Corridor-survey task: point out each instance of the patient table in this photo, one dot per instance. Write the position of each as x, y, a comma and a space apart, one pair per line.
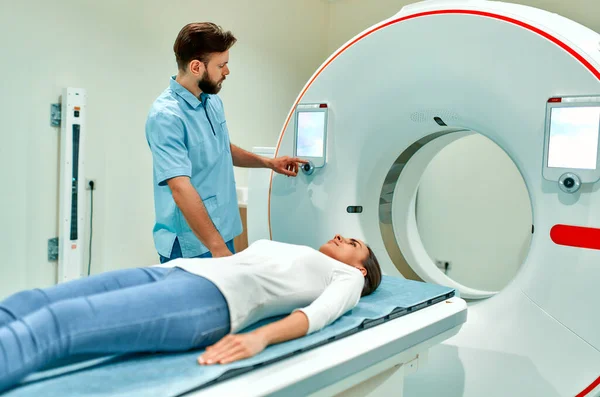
385, 336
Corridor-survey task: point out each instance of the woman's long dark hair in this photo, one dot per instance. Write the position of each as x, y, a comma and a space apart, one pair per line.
373, 277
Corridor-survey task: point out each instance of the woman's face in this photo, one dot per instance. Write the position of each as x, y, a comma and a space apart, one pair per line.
347, 250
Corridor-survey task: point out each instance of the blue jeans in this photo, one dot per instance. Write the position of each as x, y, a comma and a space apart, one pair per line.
125, 311
176, 252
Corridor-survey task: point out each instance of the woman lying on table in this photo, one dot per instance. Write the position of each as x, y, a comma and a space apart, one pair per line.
187, 304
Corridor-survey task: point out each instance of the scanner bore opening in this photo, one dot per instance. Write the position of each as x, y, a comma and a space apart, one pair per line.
414, 256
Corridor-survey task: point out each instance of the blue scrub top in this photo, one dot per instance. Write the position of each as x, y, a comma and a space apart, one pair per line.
189, 137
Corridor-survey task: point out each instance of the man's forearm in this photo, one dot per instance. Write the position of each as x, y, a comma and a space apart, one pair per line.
189, 202
243, 158
291, 327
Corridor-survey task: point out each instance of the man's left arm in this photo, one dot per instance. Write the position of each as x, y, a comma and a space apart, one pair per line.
283, 165
243, 158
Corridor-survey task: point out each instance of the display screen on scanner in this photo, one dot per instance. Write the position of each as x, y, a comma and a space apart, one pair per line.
311, 132
574, 137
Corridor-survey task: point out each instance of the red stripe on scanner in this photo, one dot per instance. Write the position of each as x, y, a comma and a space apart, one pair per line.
576, 236
588, 389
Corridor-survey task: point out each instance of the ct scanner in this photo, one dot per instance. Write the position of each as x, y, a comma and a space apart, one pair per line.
393, 97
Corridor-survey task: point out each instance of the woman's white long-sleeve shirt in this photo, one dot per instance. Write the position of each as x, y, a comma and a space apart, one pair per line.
271, 278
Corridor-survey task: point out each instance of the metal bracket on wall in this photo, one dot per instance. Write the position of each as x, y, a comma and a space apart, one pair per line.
53, 249
55, 114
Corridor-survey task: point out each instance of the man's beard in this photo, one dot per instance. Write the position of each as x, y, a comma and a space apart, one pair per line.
207, 86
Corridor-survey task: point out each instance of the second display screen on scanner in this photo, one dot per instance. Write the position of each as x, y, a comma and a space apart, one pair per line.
574, 137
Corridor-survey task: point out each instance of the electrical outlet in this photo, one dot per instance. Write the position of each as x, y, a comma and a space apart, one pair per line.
55, 114
53, 249
87, 184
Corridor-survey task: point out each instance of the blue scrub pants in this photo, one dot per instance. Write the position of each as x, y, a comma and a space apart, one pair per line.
133, 310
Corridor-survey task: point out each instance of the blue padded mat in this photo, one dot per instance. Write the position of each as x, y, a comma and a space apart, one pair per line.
176, 374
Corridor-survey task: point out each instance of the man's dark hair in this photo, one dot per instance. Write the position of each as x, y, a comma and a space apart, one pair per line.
198, 41
373, 277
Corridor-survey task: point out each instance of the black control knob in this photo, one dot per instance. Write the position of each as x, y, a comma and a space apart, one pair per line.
308, 168
569, 183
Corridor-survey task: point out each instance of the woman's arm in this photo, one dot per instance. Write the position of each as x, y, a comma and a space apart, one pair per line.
341, 295
239, 346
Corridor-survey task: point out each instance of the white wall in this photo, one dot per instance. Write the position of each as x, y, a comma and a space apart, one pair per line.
347, 18
121, 53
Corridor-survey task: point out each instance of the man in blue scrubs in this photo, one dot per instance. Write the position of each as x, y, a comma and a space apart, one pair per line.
194, 188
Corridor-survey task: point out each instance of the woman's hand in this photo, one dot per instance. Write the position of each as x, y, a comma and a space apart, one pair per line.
239, 346
233, 348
